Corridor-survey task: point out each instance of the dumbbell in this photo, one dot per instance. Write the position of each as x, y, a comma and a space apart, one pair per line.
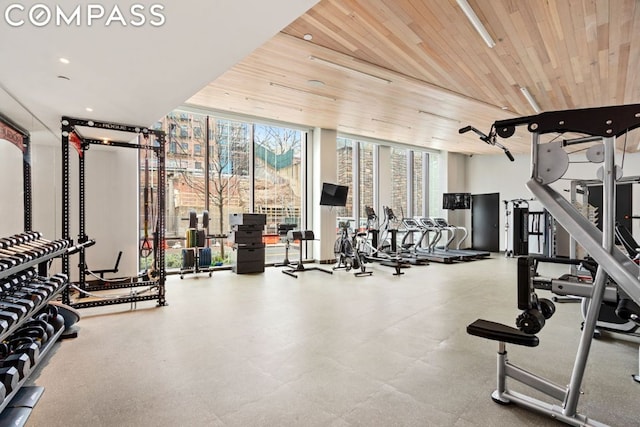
19, 258
6, 262
26, 345
19, 310
4, 326
34, 295
20, 361
60, 278
13, 246
9, 377
48, 287
28, 304
34, 292
9, 317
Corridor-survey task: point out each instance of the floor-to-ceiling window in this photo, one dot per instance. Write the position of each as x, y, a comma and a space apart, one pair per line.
418, 190
344, 166
209, 168
366, 180
399, 180
278, 183
434, 186
229, 182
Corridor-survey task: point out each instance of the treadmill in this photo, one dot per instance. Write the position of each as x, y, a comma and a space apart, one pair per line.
408, 249
441, 222
430, 252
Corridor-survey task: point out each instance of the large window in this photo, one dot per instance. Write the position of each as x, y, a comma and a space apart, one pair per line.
366, 180
399, 181
229, 178
212, 171
277, 183
345, 177
435, 189
225, 166
418, 191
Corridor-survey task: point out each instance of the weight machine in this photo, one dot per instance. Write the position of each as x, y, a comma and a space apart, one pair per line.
520, 235
550, 162
154, 278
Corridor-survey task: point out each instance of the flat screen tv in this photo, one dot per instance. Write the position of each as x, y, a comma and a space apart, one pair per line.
454, 201
333, 195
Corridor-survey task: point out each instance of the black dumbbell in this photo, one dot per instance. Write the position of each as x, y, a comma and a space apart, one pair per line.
25, 345
10, 377
20, 361
31, 294
44, 289
28, 304
20, 310
36, 294
4, 326
9, 317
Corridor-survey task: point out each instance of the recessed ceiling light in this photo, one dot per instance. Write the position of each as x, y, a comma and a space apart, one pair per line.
64, 60
307, 37
89, 109
315, 83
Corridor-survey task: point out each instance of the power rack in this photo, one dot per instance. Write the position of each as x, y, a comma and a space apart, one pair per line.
155, 281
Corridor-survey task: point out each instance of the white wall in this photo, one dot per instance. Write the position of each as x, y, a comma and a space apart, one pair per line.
496, 174
324, 169
11, 194
111, 186
454, 167
111, 199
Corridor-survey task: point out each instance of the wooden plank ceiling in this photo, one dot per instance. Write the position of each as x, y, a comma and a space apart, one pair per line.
417, 71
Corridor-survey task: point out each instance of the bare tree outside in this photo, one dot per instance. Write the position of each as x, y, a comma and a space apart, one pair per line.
277, 175
228, 166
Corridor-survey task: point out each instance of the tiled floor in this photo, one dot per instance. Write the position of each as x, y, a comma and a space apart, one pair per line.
321, 350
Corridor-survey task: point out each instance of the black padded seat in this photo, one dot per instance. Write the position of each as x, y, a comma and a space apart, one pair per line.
499, 332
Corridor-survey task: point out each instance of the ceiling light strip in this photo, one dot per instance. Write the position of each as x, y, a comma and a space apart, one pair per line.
390, 123
438, 116
477, 24
530, 99
301, 90
345, 68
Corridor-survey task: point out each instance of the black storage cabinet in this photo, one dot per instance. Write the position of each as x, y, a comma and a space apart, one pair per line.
246, 235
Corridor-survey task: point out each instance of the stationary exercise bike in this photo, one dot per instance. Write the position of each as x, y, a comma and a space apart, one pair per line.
347, 254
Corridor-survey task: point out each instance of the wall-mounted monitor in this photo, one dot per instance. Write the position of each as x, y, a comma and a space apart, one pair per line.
333, 195
452, 201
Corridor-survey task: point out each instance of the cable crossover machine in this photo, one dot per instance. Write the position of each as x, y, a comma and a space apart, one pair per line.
149, 285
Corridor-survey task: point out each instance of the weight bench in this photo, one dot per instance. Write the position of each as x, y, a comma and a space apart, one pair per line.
301, 235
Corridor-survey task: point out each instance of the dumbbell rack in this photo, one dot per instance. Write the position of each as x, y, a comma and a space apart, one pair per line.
28, 251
